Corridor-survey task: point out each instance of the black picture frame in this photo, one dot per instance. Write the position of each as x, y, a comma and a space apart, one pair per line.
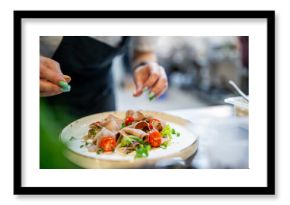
269, 189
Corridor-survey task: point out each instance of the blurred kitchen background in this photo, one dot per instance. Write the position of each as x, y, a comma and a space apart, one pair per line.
198, 69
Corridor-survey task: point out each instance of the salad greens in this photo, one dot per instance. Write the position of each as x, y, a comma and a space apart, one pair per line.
128, 140
142, 148
167, 131
143, 151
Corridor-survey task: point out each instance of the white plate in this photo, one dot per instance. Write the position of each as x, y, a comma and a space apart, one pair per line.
183, 146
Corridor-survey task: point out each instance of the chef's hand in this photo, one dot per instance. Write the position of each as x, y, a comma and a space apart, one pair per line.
52, 81
152, 77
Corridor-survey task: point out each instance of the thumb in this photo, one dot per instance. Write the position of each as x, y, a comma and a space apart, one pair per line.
139, 88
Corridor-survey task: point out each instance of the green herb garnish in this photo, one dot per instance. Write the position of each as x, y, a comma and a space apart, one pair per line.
82, 146
72, 138
92, 132
123, 125
167, 131
143, 151
127, 140
99, 151
173, 131
165, 144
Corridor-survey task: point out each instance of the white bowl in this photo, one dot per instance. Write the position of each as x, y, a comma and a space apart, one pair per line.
241, 106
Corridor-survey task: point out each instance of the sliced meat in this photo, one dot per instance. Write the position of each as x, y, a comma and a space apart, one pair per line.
137, 115
143, 125
135, 132
111, 122
103, 133
95, 125
160, 126
127, 131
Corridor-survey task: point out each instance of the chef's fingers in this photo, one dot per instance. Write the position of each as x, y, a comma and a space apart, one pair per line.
154, 75
47, 88
160, 86
139, 88
48, 94
139, 81
51, 75
141, 74
50, 70
50, 63
54, 65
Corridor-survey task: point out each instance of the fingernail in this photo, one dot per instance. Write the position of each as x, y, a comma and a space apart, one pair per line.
145, 89
151, 95
67, 78
65, 87
65, 90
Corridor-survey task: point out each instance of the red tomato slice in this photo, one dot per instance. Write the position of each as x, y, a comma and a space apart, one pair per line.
155, 138
108, 144
129, 120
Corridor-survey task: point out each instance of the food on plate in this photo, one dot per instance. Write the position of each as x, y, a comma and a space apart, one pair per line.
136, 134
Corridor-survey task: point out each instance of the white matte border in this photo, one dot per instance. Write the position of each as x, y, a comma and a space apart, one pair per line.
256, 175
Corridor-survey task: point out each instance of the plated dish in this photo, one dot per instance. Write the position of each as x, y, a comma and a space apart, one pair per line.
131, 139
137, 134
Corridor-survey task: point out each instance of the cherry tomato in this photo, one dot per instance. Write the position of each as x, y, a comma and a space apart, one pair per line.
129, 120
155, 138
153, 123
108, 144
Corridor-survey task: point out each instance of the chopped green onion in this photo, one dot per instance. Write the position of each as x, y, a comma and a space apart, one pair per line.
173, 131
72, 138
92, 132
99, 151
165, 144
